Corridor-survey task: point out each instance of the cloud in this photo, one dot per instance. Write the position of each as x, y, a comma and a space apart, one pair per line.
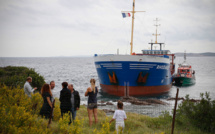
86, 27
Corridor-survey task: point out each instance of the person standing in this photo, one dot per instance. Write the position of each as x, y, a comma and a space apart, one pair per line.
65, 96
119, 115
92, 101
52, 84
27, 87
47, 105
75, 101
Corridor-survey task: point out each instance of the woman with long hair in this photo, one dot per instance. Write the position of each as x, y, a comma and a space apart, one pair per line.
92, 101
47, 105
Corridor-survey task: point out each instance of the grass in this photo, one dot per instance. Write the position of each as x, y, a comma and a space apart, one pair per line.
135, 124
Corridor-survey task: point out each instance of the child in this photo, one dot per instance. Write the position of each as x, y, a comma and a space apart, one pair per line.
120, 116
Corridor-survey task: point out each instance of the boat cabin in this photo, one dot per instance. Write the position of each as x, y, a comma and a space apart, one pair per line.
185, 71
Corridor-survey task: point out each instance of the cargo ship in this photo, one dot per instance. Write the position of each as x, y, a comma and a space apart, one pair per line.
146, 73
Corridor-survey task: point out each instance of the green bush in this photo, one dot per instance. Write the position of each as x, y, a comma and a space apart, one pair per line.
19, 112
200, 114
16, 76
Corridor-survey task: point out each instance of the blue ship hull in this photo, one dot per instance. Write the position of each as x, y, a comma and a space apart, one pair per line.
134, 76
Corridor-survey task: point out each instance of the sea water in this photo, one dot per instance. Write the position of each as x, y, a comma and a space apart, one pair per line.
79, 70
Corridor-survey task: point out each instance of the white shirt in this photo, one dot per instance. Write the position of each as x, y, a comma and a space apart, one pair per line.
52, 99
119, 115
28, 89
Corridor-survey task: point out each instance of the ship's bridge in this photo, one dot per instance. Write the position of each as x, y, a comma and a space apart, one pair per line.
162, 52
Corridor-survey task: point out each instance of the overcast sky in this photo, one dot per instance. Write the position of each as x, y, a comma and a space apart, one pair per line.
44, 28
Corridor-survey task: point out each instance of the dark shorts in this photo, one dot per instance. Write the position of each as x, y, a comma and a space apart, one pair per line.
92, 105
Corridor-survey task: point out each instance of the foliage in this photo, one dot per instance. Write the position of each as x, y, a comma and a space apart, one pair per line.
14, 76
200, 114
105, 128
157, 123
16, 97
57, 112
20, 114
73, 128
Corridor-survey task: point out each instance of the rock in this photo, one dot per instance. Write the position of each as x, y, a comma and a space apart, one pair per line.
109, 103
101, 101
140, 103
192, 100
174, 98
136, 101
101, 104
154, 101
108, 111
128, 99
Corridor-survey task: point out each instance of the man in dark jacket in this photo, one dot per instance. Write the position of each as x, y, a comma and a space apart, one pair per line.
65, 96
75, 100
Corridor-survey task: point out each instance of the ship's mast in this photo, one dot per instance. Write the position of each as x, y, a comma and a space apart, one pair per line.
156, 34
132, 26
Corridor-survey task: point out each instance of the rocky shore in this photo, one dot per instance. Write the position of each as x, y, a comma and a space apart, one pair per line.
136, 101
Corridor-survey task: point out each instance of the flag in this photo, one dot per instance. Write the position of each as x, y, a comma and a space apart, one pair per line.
126, 15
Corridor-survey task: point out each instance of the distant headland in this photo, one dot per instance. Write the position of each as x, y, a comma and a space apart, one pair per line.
195, 54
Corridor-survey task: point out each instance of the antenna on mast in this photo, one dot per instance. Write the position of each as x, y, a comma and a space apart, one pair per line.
156, 34
156, 25
185, 56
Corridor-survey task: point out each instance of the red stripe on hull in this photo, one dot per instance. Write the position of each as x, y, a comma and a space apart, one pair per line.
135, 90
